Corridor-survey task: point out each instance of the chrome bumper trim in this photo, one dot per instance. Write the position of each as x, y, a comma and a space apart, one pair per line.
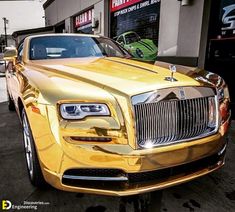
95, 178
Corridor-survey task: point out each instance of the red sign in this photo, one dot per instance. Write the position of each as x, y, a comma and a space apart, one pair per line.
119, 4
83, 18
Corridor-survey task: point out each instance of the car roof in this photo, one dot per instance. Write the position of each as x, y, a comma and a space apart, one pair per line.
62, 34
129, 32
126, 33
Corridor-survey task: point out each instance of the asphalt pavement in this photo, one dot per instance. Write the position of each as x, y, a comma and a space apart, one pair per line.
211, 193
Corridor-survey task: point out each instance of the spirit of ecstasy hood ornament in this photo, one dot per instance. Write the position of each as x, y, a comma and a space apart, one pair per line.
173, 70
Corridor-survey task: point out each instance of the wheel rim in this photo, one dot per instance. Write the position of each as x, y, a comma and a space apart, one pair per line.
27, 145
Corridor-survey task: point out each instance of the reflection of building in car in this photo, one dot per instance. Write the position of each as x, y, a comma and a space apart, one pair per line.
143, 49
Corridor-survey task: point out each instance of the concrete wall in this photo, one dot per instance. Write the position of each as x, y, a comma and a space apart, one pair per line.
190, 26
101, 14
180, 28
51, 14
61, 10
168, 29
69, 25
204, 33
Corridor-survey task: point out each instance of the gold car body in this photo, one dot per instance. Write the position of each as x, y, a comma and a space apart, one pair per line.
41, 86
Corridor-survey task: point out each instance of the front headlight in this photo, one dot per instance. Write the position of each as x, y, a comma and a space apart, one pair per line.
80, 111
139, 53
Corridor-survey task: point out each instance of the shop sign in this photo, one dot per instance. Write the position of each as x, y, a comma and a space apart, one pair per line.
120, 4
84, 18
227, 18
138, 6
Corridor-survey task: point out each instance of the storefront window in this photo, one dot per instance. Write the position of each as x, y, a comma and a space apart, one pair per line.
135, 25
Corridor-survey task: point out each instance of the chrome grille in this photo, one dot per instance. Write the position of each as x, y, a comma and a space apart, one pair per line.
170, 121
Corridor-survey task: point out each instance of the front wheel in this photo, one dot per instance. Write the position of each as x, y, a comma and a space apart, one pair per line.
33, 166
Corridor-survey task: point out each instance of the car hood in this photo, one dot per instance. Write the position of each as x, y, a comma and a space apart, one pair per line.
115, 75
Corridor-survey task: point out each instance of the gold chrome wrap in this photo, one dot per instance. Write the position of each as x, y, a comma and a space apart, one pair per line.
110, 142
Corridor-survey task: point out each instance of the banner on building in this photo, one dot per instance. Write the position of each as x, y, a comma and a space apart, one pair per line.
120, 4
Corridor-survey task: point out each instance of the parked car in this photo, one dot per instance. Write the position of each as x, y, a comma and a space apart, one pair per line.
9, 50
2, 66
143, 49
94, 120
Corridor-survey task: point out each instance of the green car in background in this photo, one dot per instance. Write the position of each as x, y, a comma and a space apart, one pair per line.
142, 49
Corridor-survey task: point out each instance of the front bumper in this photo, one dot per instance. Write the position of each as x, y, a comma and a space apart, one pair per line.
124, 189
164, 168
166, 165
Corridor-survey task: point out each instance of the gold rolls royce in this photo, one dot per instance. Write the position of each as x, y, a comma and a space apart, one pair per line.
96, 120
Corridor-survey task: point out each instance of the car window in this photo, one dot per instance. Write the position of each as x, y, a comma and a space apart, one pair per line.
120, 39
55, 47
20, 52
131, 38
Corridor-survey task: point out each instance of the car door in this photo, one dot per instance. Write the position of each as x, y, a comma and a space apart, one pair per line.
13, 77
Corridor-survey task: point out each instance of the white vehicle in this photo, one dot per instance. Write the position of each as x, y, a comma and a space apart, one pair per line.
3, 64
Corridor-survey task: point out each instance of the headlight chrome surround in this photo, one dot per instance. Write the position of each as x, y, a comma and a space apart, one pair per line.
78, 111
224, 100
223, 93
222, 90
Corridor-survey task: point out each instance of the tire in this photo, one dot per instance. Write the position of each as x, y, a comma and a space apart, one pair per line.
11, 105
32, 162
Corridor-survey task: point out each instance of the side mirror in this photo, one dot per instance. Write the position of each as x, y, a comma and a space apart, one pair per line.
10, 53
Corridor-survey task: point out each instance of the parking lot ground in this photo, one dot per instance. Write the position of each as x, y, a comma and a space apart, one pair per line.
211, 193
3, 94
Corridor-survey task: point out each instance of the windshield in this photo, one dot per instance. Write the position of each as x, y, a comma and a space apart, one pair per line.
56, 47
132, 37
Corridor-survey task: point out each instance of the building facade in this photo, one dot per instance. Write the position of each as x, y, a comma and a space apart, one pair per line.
171, 24
188, 32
